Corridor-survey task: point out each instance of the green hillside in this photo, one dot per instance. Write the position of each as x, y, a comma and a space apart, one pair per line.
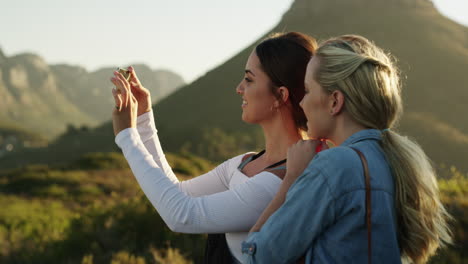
14, 138
92, 211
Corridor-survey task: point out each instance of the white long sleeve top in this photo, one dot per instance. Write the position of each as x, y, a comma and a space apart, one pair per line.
224, 200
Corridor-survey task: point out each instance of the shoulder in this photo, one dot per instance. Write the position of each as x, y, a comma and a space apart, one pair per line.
233, 163
239, 158
340, 167
236, 161
246, 155
335, 159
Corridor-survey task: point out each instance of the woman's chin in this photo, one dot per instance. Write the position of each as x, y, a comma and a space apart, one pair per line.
247, 120
244, 118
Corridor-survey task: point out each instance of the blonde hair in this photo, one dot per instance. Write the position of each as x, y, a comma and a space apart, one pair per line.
367, 77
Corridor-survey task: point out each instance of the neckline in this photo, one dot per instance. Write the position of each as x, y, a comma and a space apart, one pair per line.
254, 157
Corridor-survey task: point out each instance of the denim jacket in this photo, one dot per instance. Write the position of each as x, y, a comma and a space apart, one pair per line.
323, 215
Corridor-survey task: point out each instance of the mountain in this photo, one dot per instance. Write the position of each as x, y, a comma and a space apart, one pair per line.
90, 91
31, 99
432, 51
47, 99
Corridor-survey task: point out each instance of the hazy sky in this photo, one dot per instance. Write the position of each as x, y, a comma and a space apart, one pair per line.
185, 36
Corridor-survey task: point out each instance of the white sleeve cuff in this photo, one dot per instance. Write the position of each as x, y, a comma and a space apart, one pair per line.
146, 126
148, 116
126, 136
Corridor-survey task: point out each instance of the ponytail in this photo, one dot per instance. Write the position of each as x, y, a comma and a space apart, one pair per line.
421, 217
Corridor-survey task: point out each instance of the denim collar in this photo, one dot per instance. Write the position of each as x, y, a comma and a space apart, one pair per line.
363, 135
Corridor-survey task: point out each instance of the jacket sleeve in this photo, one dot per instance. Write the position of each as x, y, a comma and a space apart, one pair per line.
291, 230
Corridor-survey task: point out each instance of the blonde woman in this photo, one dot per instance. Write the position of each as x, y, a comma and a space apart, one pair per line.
331, 213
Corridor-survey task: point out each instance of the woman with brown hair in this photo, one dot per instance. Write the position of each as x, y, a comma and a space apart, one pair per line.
230, 198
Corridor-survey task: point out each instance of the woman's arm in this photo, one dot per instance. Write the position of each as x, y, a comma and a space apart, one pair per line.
289, 232
211, 182
235, 210
149, 136
214, 181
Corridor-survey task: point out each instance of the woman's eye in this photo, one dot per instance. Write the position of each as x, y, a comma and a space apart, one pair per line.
247, 79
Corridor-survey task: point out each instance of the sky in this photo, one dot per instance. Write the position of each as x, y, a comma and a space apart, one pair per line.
185, 36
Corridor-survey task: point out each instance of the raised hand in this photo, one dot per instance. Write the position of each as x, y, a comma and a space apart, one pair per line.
141, 94
125, 112
299, 156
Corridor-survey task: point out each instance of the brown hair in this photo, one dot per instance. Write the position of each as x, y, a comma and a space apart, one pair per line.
284, 58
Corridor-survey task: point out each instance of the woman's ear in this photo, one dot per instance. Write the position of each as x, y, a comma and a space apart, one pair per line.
336, 102
283, 96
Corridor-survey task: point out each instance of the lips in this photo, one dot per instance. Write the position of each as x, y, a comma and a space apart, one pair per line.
244, 103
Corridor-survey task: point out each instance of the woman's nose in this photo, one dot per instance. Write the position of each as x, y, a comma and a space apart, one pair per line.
239, 88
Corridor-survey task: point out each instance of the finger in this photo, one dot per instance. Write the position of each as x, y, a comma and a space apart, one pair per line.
135, 84
321, 146
295, 147
117, 99
114, 80
134, 81
298, 143
325, 145
135, 105
125, 93
304, 146
125, 83
126, 88
115, 95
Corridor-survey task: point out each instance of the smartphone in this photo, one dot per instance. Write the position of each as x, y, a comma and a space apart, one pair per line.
125, 73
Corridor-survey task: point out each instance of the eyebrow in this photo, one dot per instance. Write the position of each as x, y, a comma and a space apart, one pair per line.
249, 71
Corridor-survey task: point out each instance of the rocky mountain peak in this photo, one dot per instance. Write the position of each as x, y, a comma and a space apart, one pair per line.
306, 8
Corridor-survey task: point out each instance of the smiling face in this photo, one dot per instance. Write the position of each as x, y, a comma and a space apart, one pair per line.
316, 104
258, 102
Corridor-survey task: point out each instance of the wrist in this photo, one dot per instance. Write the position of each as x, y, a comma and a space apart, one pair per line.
289, 178
144, 111
283, 190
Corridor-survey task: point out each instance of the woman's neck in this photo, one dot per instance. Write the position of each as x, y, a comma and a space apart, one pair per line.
344, 128
280, 133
